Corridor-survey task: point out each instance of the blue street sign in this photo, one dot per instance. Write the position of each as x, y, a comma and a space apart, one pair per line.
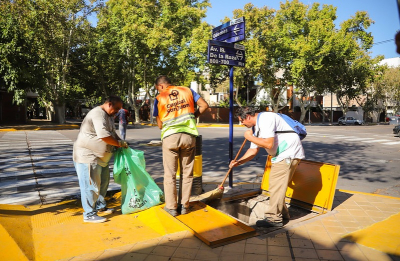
230, 32
226, 53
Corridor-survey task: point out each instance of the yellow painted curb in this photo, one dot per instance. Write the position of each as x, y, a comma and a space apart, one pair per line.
57, 231
369, 194
35, 128
383, 236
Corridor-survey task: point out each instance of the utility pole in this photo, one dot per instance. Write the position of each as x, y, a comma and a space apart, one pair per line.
331, 108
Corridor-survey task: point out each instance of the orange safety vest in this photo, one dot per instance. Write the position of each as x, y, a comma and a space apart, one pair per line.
176, 111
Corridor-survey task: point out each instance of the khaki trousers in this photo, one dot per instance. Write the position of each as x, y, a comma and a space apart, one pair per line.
178, 146
280, 176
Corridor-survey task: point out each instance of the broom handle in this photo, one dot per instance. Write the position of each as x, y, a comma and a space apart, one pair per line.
229, 171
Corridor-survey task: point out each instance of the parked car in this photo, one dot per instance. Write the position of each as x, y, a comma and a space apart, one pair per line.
396, 130
350, 121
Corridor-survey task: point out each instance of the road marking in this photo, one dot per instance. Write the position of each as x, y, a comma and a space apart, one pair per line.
344, 137
369, 141
361, 139
392, 143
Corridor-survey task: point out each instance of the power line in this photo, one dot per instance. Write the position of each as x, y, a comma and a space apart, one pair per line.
381, 42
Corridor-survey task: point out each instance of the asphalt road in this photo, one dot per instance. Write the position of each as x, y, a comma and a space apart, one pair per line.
38, 164
368, 155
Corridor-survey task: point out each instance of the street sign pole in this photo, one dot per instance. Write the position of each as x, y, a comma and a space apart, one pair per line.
223, 50
231, 123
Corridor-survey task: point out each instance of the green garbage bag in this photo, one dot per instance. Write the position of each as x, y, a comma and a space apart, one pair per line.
138, 189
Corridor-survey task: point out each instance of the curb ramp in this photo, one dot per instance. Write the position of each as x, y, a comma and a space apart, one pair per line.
57, 231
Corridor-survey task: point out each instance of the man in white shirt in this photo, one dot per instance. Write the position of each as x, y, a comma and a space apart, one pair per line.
286, 151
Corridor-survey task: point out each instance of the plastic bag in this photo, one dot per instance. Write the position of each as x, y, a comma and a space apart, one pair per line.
138, 189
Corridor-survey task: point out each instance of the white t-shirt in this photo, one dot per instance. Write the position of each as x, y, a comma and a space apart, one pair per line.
89, 147
286, 145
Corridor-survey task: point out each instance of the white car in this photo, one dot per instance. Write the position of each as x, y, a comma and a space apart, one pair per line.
349, 121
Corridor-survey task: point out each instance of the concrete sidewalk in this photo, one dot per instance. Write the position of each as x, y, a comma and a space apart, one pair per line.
326, 237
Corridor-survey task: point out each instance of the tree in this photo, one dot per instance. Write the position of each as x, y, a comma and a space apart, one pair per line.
153, 37
20, 69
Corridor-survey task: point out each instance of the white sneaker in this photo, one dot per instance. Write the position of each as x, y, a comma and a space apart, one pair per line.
95, 219
106, 210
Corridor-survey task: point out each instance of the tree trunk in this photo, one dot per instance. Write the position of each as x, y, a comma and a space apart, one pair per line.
59, 113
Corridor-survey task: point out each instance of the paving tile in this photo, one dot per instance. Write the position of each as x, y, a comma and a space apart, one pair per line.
353, 207
318, 234
87, 257
134, 257
279, 258
345, 218
363, 218
375, 214
142, 248
352, 252
304, 253
331, 223
210, 254
329, 254
306, 259
335, 230
232, 257
374, 255
279, 251
300, 233
364, 203
206, 247
343, 212
191, 243
163, 250
256, 241
188, 253
172, 239
179, 259
311, 227
255, 249
111, 255
278, 241
364, 224
237, 247
326, 243
302, 243
125, 248
157, 258
350, 224
255, 257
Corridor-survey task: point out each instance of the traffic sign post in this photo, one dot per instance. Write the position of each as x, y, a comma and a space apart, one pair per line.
230, 32
226, 53
223, 50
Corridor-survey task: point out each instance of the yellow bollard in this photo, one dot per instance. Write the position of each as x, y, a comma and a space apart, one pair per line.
197, 186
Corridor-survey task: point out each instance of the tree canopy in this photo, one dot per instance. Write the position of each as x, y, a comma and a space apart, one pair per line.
50, 47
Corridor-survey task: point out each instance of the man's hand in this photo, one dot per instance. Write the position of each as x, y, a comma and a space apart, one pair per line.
234, 163
123, 144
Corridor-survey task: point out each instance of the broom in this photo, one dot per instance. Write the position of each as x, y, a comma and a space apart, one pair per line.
217, 193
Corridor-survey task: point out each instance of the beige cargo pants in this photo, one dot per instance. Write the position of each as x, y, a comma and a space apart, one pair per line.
178, 146
280, 176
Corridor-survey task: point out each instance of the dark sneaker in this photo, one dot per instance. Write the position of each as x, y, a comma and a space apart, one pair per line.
172, 212
184, 210
106, 210
268, 223
94, 219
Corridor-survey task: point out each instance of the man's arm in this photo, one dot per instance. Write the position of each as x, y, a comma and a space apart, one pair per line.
159, 122
266, 143
249, 155
111, 140
203, 105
